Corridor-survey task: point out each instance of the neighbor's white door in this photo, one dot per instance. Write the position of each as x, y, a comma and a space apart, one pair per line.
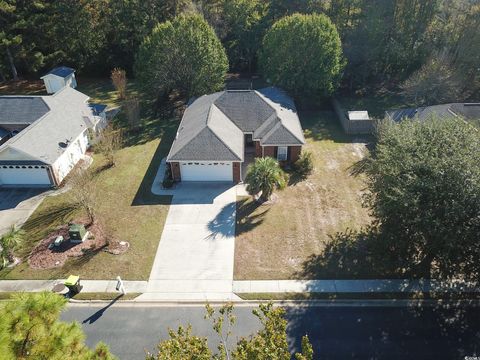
206, 171
24, 176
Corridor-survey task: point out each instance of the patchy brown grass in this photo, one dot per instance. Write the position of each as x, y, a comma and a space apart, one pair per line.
275, 241
23, 87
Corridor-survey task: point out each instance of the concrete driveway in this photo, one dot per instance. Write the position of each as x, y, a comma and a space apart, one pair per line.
16, 205
196, 252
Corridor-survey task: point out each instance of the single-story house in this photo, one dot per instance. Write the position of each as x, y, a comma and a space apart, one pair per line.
468, 111
47, 136
58, 78
218, 130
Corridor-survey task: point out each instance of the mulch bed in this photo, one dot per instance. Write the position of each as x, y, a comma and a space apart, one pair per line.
43, 257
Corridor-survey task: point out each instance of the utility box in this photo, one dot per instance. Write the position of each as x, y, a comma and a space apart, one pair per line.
77, 233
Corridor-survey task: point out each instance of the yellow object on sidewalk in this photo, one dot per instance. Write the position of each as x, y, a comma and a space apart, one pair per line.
72, 280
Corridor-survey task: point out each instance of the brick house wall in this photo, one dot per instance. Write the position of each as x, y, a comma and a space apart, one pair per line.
269, 151
294, 153
175, 166
236, 172
258, 149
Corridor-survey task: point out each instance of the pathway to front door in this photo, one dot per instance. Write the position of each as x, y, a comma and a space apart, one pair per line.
195, 256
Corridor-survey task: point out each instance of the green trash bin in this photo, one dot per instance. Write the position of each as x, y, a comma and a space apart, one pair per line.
73, 284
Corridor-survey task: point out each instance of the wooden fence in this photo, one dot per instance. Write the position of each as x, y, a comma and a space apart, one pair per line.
352, 127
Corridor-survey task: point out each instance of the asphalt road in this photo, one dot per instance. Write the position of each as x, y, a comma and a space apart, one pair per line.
337, 332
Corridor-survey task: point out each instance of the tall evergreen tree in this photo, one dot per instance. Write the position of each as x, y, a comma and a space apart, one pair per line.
246, 24
184, 55
30, 329
303, 54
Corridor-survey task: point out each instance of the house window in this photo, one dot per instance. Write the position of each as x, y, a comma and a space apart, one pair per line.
282, 153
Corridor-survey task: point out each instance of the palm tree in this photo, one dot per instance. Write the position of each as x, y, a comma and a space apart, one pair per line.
264, 175
10, 241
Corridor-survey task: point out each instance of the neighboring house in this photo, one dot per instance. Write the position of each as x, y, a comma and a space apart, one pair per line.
47, 136
219, 131
468, 111
58, 78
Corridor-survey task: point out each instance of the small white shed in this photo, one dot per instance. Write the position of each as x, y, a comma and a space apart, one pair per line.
358, 115
58, 78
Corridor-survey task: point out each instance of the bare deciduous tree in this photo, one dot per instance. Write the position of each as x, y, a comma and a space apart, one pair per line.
132, 110
435, 82
109, 142
119, 80
83, 192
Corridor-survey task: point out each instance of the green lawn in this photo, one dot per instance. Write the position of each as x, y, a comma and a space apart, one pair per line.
276, 241
102, 90
125, 205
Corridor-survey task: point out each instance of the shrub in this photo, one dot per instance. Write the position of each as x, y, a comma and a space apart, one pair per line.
304, 165
167, 182
119, 80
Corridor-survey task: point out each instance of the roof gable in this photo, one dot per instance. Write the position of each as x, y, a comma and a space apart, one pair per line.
279, 135
61, 71
205, 146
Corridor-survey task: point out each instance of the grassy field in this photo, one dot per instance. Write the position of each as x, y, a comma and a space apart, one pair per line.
125, 204
277, 241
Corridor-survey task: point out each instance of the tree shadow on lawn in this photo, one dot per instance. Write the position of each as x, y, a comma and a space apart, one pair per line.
144, 194
352, 255
246, 219
44, 223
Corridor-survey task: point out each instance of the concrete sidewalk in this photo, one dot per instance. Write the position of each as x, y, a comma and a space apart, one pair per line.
256, 286
88, 285
353, 286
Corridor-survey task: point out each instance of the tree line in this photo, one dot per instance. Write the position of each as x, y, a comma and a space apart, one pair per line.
383, 42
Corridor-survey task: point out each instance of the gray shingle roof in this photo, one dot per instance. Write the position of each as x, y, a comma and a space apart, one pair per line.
65, 121
245, 108
21, 109
62, 71
213, 126
468, 111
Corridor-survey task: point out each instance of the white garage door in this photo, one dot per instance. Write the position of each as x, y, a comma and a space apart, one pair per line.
206, 171
24, 175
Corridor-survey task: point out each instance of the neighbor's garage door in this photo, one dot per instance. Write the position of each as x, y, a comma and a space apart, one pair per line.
206, 171
24, 175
